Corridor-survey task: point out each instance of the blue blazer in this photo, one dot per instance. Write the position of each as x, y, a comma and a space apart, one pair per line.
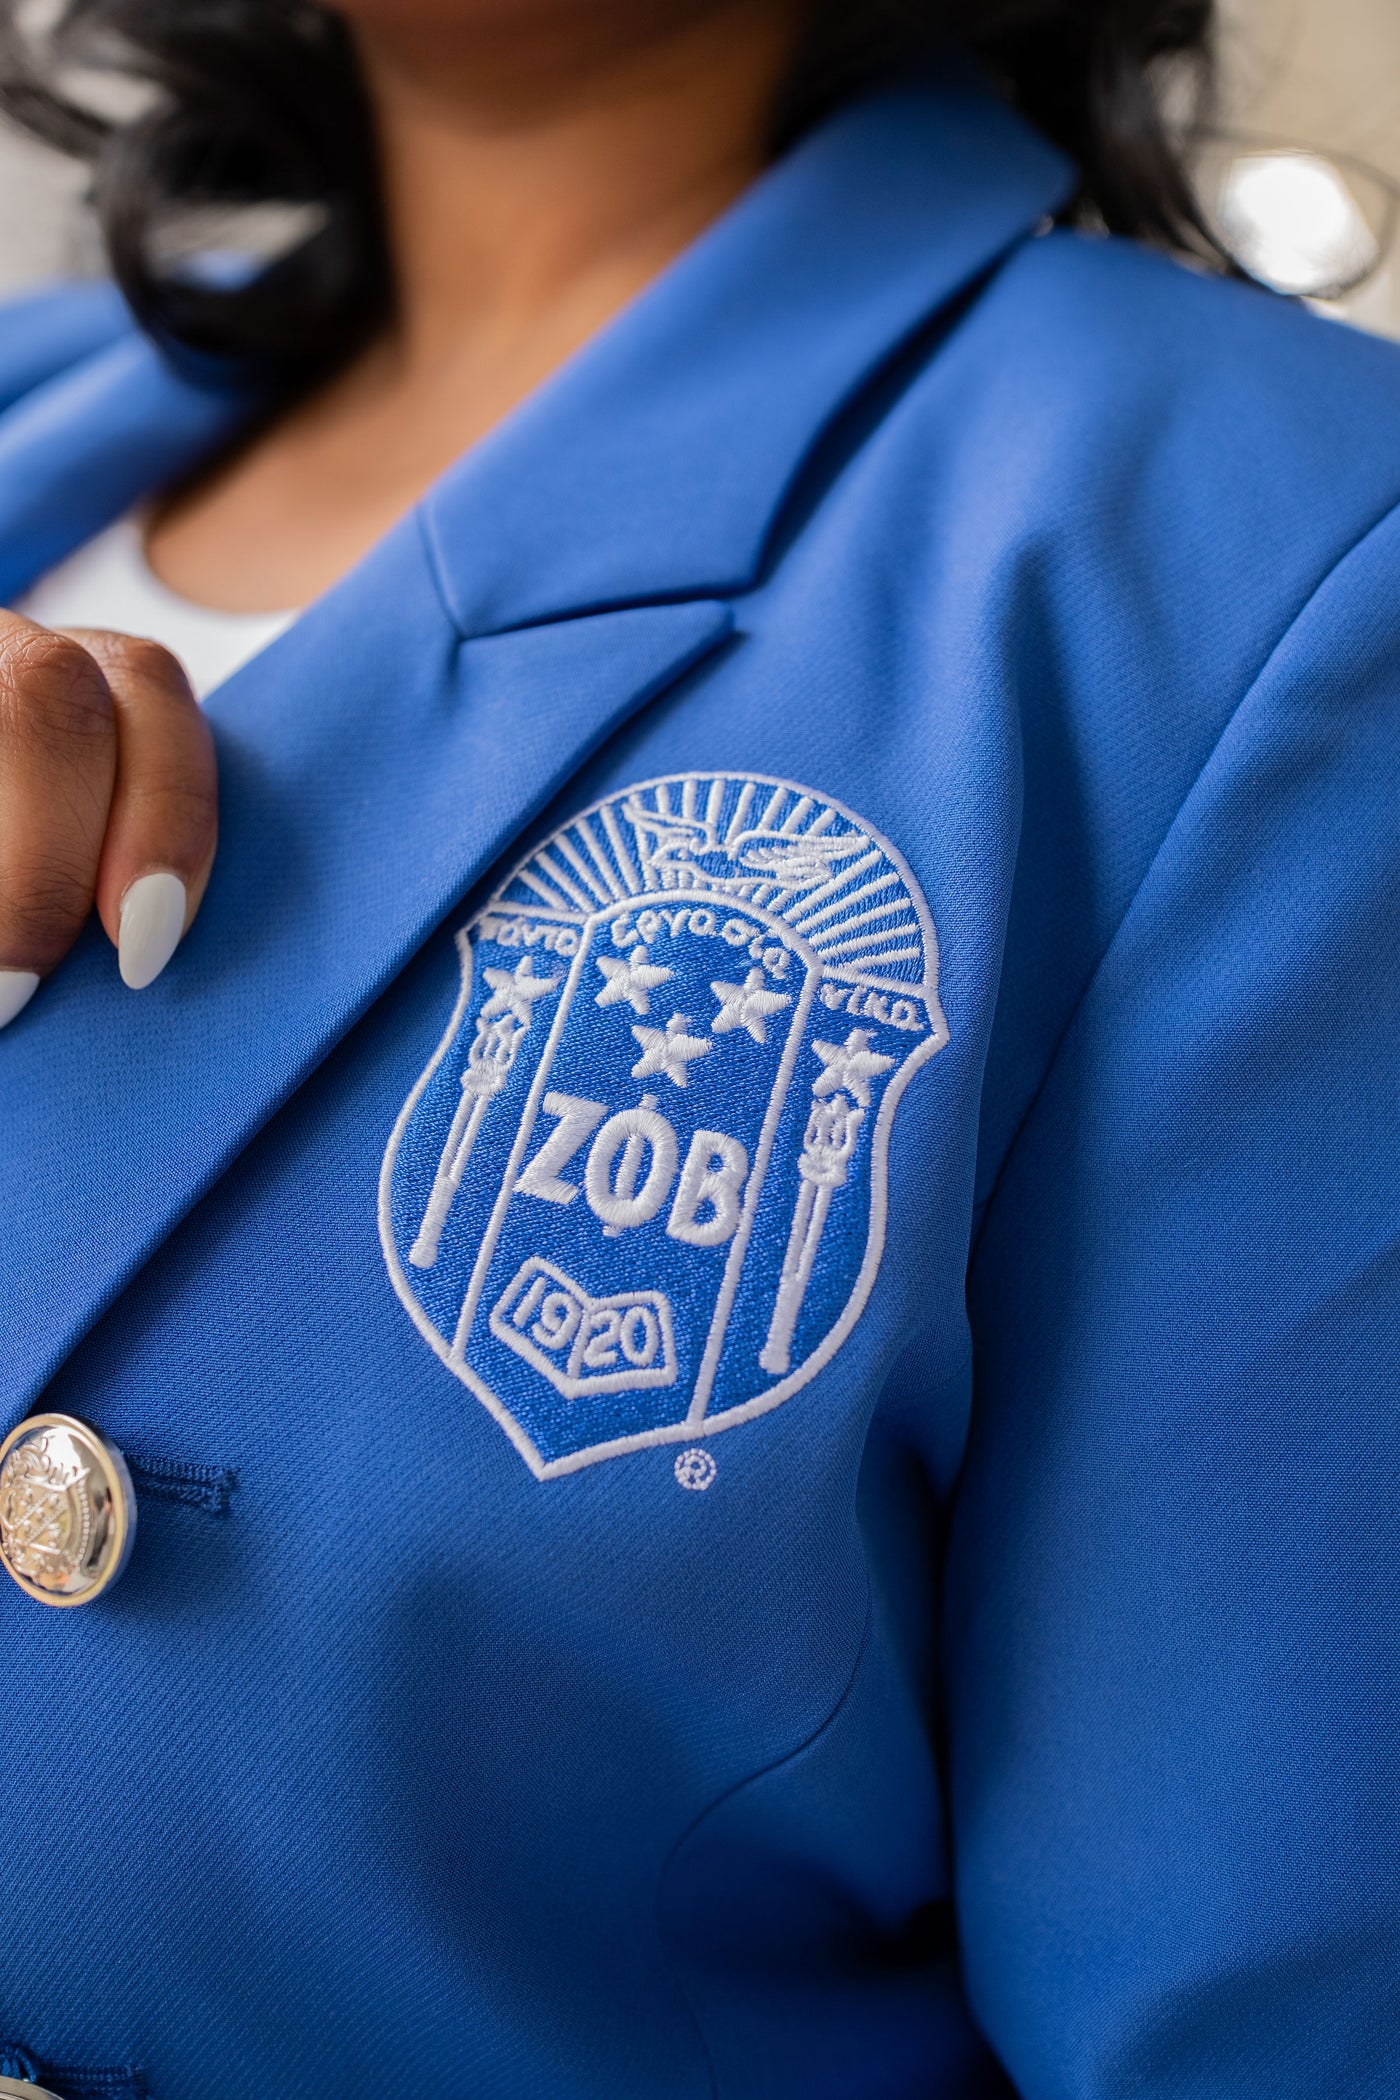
748, 1265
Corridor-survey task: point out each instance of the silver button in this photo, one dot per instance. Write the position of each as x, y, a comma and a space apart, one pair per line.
20, 2089
67, 1520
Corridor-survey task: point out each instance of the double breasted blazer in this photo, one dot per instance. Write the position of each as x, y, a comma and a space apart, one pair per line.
747, 1266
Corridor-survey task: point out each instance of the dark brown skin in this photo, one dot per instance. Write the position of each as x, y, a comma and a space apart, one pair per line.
544, 159
106, 774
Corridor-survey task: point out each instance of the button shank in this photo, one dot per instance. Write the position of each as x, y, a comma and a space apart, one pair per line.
67, 1517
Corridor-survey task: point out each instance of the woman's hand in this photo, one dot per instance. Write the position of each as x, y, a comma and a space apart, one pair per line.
107, 796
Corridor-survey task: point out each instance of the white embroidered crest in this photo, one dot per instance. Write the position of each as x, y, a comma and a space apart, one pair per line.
640, 1191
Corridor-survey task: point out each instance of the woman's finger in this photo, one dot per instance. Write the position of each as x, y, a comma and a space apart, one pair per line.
58, 755
164, 818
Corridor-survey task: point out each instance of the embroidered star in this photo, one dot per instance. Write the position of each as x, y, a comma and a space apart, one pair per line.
852, 1065
747, 1005
631, 977
515, 992
669, 1050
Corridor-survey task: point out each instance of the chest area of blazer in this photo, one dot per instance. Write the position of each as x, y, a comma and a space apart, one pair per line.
638, 1150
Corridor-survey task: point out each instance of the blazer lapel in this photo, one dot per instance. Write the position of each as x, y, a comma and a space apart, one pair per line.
371, 769
386, 751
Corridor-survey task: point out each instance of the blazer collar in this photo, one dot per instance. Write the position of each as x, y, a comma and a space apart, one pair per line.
81, 448
50, 329
656, 462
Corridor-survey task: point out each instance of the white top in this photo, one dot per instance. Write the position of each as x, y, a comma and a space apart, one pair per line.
109, 583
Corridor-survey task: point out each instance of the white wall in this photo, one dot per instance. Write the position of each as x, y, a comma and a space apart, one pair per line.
1324, 71
41, 225
1326, 74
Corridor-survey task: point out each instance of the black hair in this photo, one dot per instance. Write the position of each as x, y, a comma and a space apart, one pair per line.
257, 102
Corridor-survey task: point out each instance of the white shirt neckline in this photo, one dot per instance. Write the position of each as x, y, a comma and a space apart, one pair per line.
109, 582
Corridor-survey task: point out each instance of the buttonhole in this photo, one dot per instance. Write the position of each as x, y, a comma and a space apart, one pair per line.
209, 1488
73, 2081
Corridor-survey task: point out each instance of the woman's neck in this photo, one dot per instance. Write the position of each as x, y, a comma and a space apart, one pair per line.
522, 167
537, 176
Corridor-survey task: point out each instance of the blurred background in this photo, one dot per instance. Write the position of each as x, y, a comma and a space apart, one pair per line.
1322, 78
1301, 171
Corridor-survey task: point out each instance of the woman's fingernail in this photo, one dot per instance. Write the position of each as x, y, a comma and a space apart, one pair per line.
153, 918
17, 988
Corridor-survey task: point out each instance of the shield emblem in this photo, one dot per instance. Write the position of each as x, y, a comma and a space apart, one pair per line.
639, 1192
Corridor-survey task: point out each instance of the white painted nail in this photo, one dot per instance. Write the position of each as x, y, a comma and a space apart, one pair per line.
153, 918
17, 988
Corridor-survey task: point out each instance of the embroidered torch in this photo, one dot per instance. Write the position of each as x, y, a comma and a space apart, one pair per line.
840, 1098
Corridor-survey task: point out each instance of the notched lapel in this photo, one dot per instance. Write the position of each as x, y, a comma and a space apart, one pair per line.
373, 768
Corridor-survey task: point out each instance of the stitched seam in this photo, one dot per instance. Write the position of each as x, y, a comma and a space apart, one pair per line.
712, 1808
1391, 512
427, 541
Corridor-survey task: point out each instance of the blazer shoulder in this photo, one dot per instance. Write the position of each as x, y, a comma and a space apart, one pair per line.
45, 331
1220, 381
1188, 456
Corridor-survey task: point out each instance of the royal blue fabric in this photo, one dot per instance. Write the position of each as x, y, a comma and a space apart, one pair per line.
1014, 1708
51, 329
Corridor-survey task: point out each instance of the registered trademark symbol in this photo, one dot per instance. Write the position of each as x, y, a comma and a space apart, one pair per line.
695, 1469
